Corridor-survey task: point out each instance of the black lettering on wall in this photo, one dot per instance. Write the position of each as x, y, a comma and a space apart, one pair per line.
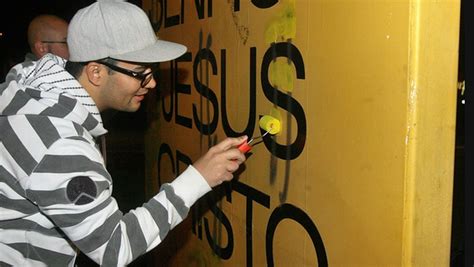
288, 211
182, 89
284, 100
200, 5
200, 8
181, 157
165, 149
201, 78
182, 11
207, 126
209, 57
283, 194
196, 220
223, 252
199, 208
264, 3
236, 5
156, 14
167, 115
261, 198
252, 96
257, 3
172, 20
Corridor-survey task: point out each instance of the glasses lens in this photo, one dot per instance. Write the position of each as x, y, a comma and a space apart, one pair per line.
146, 78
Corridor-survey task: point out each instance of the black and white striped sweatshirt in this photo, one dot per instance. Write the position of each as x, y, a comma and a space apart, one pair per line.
55, 191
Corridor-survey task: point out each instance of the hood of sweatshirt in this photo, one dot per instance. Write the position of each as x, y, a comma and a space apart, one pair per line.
45, 88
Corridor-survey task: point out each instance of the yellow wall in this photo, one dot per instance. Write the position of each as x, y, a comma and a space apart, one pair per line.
361, 174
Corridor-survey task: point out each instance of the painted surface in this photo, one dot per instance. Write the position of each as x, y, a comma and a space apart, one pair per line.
361, 172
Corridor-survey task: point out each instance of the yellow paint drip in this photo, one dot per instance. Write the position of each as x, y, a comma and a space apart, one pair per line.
275, 113
283, 27
270, 124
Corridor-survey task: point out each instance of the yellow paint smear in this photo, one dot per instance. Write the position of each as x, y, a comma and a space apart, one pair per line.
283, 27
281, 74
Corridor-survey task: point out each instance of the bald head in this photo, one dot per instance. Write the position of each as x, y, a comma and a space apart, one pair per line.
48, 34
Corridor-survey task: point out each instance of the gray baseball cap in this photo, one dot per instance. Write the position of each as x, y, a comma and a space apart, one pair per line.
119, 30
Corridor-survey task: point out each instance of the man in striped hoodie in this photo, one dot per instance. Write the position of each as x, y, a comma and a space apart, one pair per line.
55, 191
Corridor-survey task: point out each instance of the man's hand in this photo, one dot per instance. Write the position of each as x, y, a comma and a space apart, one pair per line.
218, 164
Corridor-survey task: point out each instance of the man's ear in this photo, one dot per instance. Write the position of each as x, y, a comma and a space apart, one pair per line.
40, 49
94, 73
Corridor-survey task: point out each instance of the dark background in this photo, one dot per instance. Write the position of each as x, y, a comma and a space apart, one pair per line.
14, 19
14, 24
466, 57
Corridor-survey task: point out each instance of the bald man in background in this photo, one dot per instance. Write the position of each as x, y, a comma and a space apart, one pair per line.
47, 34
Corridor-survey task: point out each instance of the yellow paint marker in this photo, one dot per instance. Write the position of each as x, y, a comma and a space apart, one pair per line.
269, 124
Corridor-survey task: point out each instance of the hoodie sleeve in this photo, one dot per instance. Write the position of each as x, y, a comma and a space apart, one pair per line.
73, 188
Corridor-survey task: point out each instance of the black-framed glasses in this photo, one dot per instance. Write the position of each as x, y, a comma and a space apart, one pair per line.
54, 42
143, 77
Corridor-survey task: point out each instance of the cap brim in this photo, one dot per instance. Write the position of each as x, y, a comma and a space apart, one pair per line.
158, 52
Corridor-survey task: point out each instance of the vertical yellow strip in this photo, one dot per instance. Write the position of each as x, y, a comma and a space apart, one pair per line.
410, 141
432, 78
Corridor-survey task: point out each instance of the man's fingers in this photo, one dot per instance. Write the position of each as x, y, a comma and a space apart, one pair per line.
230, 142
235, 155
228, 176
221, 161
232, 166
